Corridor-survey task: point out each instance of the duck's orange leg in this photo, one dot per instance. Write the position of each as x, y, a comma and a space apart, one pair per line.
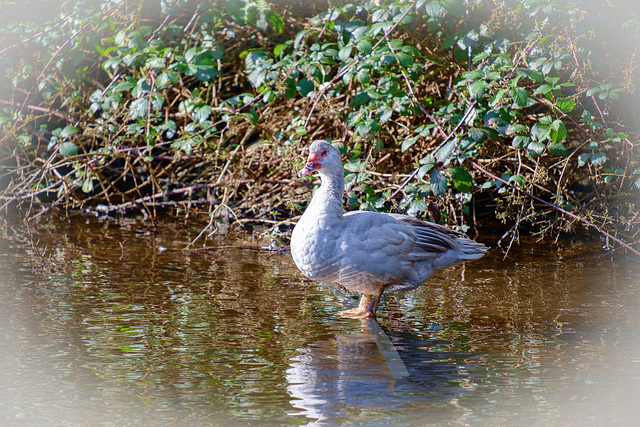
367, 307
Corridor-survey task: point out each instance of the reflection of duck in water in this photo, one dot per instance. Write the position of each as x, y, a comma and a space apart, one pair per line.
349, 375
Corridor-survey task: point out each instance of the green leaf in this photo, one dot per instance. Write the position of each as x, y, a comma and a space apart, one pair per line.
304, 86
477, 88
404, 59
540, 132
68, 148
547, 120
380, 26
298, 39
173, 77
185, 145
162, 81
112, 63
462, 180
379, 15
427, 160
435, 9
386, 59
276, 21
534, 149
68, 131
124, 86
354, 166
517, 179
87, 185
498, 97
516, 128
361, 98
476, 134
252, 115
363, 128
520, 141
256, 77
443, 155
424, 169
253, 58
582, 159
156, 63
544, 89
385, 115
599, 158
536, 76
438, 181
593, 146
416, 207
138, 108
473, 75
557, 149
347, 77
395, 44
364, 46
558, 131
552, 80
566, 105
537, 63
205, 68
363, 77
201, 114
520, 97
411, 50
345, 53
407, 143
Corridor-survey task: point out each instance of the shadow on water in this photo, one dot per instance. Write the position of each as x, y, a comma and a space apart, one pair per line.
119, 324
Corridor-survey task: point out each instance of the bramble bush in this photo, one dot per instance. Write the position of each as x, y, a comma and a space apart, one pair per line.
442, 108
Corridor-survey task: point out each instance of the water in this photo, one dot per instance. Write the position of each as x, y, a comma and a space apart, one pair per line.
118, 324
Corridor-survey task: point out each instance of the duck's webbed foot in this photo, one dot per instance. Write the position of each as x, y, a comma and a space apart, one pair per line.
366, 309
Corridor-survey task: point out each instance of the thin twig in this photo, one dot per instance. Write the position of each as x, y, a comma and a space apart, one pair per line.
416, 170
555, 207
415, 98
45, 110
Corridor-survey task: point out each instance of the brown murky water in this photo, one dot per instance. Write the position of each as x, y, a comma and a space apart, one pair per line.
124, 327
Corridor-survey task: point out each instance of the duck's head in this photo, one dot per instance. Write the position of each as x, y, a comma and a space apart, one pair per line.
323, 157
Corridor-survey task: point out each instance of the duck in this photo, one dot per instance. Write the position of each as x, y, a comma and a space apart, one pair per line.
368, 252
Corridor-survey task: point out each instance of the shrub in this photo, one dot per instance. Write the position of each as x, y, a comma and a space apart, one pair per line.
495, 105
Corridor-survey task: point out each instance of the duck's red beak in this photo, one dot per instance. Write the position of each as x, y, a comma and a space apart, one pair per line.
312, 165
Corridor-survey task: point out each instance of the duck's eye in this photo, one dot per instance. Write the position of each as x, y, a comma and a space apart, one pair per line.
324, 153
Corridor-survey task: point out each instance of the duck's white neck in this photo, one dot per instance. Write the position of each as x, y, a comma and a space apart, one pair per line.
328, 198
